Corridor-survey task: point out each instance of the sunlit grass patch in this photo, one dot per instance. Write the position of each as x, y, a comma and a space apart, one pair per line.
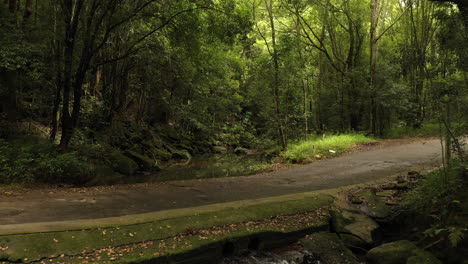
327, 146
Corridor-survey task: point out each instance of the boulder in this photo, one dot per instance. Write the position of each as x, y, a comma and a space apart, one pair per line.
160, 154
123, 164
400, 252
423, 258
219, 149
241, 151
181, 155
328, 248
373, 206
356, 229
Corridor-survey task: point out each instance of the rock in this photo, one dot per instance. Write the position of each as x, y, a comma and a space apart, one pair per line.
400, 252
356, 201
373, 206
402, 186
143, 161
356, 229
414, 174
123, 164
328, 248
385, 193
181, 155
160, 154
219, 149
423, 258
241, 151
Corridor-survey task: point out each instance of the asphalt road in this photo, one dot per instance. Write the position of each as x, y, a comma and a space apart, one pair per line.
50, 205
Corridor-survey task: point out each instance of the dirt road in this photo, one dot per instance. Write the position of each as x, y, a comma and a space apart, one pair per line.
48, 205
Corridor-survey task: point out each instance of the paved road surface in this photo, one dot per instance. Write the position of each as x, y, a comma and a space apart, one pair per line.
60, 205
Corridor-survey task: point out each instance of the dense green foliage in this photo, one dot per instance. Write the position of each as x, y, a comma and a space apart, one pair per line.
148, 81
440, 203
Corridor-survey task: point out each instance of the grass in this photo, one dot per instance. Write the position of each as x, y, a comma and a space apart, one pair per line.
426, 130
308, 150
32, 247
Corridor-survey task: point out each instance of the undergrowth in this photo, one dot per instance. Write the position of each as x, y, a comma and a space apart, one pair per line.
27, 161
437, 188
442, 198
426, 130
320, 147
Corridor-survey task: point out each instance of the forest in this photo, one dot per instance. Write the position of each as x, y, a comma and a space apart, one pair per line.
124, 122
91, 87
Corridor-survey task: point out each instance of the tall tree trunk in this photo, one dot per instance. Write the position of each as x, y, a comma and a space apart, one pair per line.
374, 6
12, 6
276, 80
28, 10
71, 25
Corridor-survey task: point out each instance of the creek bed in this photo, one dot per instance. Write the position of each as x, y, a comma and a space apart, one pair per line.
206, 166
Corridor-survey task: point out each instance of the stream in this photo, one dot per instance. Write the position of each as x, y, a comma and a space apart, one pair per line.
287, 257
202, 167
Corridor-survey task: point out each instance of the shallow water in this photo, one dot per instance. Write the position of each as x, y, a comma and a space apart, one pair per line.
289, 257
202, 167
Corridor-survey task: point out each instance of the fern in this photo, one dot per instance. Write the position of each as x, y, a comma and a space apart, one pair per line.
456, 234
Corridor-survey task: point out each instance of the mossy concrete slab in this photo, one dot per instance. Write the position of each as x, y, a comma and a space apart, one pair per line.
54, 243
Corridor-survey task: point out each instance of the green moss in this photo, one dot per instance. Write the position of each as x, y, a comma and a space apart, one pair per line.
402, 251
374, 206
329, 247
36, 246
392, 253
423, 258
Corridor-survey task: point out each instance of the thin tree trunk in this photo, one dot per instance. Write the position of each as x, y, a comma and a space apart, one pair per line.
375, 6
58, 90
276, 81
28, 10
12, 6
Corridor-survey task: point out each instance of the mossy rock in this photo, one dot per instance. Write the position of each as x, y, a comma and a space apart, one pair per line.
386, 193
353, 242
329, 248
181, 155
123, 164
400, 252
241, 151
161, 154
143, 161
220, 149
423, 258
356, 229
373, 206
